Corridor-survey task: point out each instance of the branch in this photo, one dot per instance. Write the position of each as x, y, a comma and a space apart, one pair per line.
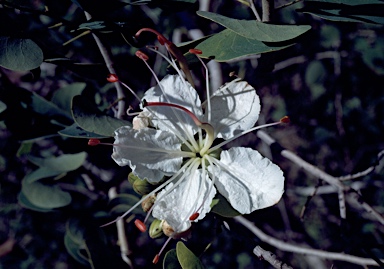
123, 242
108, 61
303, 250
270, 257
268, 7
352, 194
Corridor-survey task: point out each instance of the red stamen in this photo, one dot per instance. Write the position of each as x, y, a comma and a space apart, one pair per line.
140, 225
156, 259
160, 37
142, 55
93, 142
112, 78
285, 119
195, 51
194, 216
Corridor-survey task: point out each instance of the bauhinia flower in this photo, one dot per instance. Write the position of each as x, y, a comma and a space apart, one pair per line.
178, 142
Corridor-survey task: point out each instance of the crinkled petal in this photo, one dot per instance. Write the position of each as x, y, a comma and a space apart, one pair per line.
248, 180
179, 93
150, 153
176, 205
234, 107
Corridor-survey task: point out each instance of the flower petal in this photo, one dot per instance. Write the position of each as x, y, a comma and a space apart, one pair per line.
234, 107
176, 92
150, 153
248, 180
189, 197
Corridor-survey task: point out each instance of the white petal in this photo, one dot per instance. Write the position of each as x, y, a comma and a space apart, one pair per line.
177, 206
234, 108
177, 92
150, 153
248, 180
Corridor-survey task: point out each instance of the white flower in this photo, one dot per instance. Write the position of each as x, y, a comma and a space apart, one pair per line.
180, 145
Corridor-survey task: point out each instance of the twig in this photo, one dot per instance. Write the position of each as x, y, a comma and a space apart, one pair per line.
303, 250
268, 7
288, 4
123, 242
324, 176
365, 172
254, 10
270, 258
108, 61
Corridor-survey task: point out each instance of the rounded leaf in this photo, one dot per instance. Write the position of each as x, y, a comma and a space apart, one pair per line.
19, 54
187, 259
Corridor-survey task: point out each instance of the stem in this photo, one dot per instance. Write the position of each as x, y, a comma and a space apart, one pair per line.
108, 61
303, 250
268, 6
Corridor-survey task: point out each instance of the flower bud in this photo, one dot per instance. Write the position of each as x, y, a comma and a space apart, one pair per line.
155, 230
142, 187
167, 229
132, 178
148, 203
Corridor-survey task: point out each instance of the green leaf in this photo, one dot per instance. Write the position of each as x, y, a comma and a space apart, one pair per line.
74, 250
24, 202
367, 11
41, 173
76, 131
47, 108
257, 30
25, 148
63, 97
63, 163
3, 106
45, 196
187, 259
227, 45
123, 202
89, 118
170, 260
224, 208
19, 54
372, 53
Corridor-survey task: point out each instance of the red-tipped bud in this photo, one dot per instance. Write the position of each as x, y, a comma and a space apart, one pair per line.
93, 142
112, 78
140, 225
156, 259
194, 216
195, 51
285, 119
142, 55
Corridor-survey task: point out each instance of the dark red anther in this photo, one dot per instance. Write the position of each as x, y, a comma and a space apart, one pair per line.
142, 55
140, 225
112, 78
195, 51
285, 119
194, 216
93, 142
156, 259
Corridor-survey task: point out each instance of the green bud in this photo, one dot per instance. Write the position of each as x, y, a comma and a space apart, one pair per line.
155, 230
132, 178
142, 187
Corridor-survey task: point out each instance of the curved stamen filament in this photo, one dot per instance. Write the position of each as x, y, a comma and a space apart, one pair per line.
173, 64
241, 134
190, 138
151, 193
